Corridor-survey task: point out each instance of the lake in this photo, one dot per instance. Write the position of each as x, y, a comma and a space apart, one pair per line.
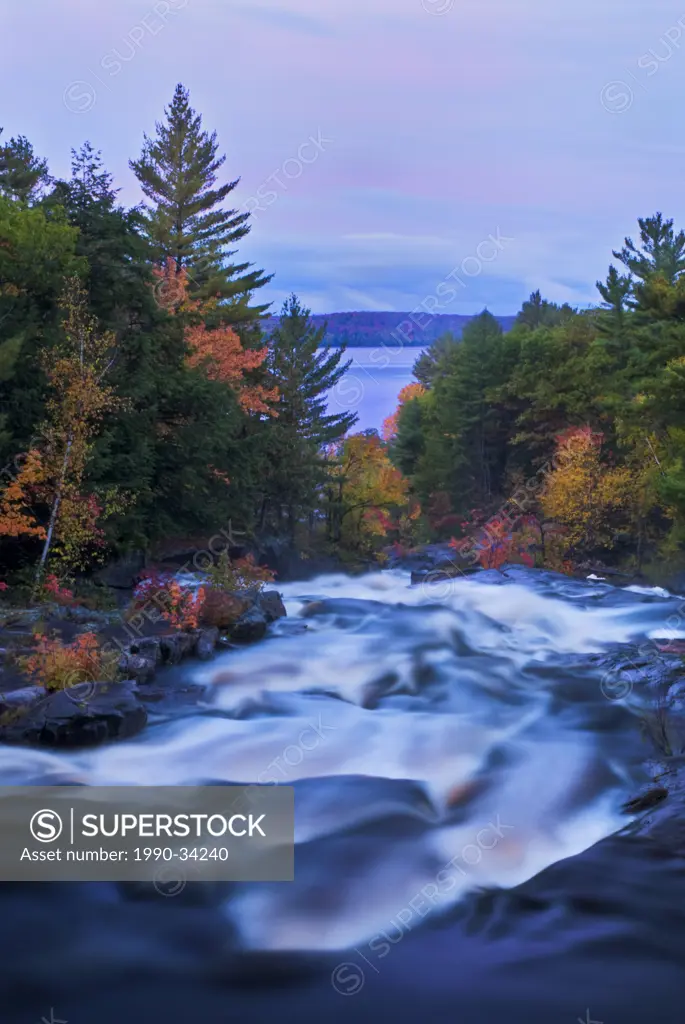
372, 383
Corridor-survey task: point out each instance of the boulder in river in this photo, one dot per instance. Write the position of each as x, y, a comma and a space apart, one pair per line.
223, 610
207, 640
250, 627
137, 666
271, 604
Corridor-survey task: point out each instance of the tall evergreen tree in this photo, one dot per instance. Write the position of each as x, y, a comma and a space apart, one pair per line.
661, 250
305, 370
538, 312
186, 219
180, 432
428, 364
23, 175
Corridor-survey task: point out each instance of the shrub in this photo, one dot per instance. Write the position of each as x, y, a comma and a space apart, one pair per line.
177, 605
57, 666
53, 591
242, 574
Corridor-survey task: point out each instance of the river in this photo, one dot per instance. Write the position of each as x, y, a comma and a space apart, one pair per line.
461, 755
371, 385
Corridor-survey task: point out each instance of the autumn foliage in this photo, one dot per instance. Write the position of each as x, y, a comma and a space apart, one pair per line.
365, 491
230, 575
497, 540
177, 605
585, 494
18, 497
390, 423
57, 666
217, 349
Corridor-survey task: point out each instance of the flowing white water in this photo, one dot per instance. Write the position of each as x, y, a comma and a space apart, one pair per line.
439, 738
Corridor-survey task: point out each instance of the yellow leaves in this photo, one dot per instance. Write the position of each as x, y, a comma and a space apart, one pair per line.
584, 494
370, 487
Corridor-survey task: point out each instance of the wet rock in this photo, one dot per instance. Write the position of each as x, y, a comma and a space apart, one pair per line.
77, 613
123, 573
271, 604
645, 801
207, 640
149, 647
250, 627
23, 618
440, 573
137, 667
23, 698
80, 716
223, 610
177, 646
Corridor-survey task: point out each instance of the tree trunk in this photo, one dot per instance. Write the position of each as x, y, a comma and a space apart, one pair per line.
53, 519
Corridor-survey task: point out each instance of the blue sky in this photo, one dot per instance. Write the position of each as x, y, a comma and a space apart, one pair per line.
381, 143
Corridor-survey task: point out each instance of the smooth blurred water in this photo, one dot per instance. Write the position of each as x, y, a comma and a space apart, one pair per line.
459, 755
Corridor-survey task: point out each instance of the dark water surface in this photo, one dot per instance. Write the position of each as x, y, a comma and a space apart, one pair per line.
461, 754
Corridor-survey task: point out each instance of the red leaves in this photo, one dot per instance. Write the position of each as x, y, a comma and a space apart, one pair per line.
497, 541
61, 595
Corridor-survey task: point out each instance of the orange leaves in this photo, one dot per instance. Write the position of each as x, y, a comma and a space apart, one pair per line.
171, 287
218, 350
57, 666
177, 605
414, 390
16, 519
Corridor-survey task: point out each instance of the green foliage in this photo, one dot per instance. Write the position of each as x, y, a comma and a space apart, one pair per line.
186, 219
304, 370
230, 576
23, 175
498, 404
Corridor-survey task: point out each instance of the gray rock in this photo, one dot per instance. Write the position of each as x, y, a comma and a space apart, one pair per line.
81, 716
77, 613
207, 640
250, 627
122, 574
271, 604
24, 618
177, 646
150, 647
137, 667
23, 698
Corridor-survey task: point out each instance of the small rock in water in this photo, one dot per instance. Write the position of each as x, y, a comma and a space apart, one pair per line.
645, 801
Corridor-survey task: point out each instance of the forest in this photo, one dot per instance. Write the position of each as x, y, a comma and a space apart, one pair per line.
562, 440
148, 395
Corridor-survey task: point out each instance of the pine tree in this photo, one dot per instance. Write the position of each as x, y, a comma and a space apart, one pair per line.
186, 220
428, 364
661, 250
23, 175
181, 431
305, 371
538, 312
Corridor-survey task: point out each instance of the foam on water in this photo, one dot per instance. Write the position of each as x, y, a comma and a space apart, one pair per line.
411, 720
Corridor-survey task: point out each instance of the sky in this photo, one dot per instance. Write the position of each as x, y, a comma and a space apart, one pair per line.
384, 147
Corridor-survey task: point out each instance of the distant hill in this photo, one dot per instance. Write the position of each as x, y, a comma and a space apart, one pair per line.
364, 330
